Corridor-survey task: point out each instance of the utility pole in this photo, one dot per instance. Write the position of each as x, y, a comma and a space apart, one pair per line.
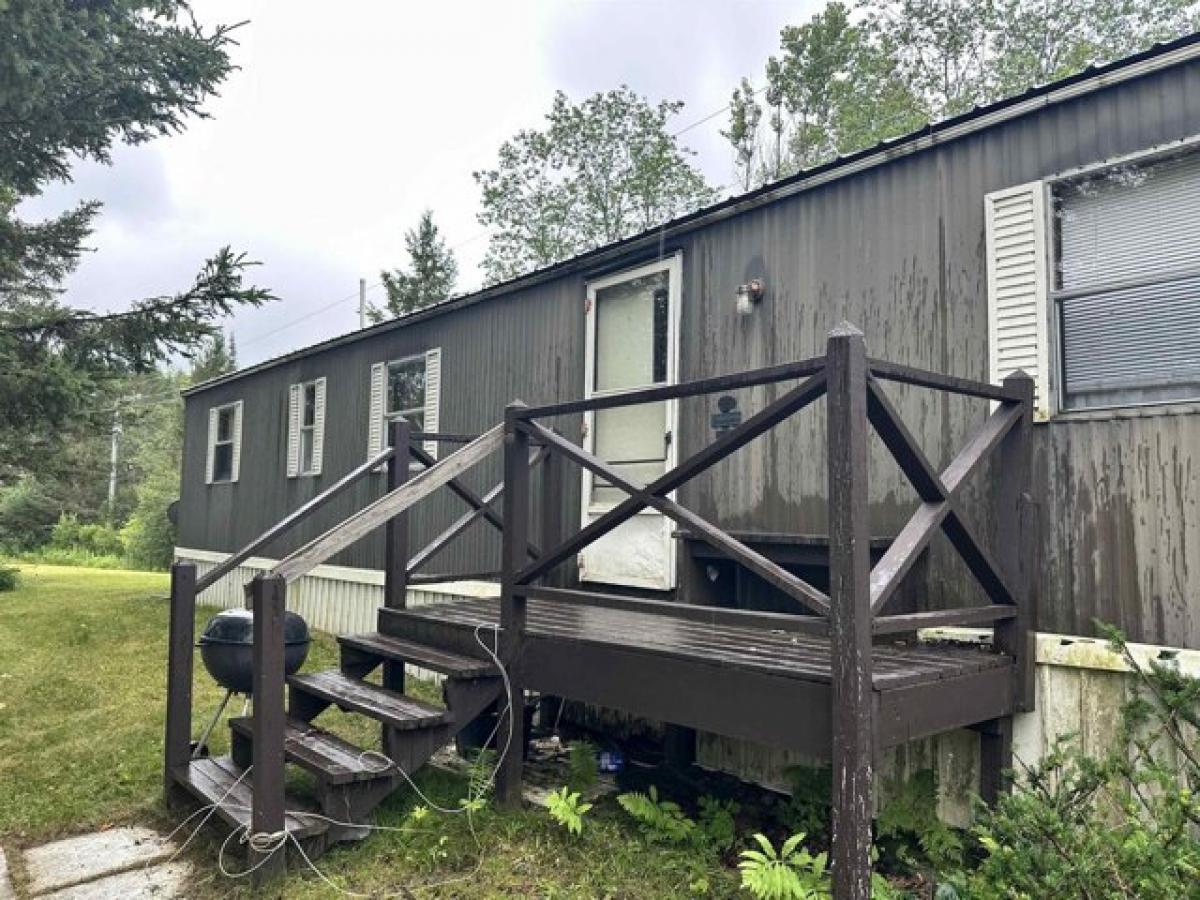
113, 457
362, 303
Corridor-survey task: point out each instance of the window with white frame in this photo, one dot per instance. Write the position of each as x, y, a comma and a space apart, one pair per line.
1126, 283
408, 387
306, 428
224, 442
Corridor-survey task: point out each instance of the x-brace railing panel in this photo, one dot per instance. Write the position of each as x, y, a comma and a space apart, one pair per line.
790, 403
481, 508
939, 507
774, 574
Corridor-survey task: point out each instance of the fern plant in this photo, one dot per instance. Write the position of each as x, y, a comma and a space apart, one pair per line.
790, 873
582, 769
660, 821
908, 827
718, 822
567, 810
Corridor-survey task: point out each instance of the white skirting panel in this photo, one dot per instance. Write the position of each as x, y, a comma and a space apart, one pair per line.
334, 599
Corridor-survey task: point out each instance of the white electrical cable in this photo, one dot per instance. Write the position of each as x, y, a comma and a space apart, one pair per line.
269, 843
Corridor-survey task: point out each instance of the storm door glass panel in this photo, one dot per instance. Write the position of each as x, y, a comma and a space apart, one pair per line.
631, 333
631, 352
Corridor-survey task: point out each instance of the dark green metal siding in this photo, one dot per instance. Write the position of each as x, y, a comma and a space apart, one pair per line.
899, 251
528, 346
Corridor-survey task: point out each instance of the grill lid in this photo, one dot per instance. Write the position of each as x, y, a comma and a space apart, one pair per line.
236, 626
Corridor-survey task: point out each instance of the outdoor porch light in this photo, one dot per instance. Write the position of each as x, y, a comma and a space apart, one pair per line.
749, 295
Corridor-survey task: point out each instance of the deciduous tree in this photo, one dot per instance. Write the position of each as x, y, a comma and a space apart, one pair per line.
601, 170
853, 76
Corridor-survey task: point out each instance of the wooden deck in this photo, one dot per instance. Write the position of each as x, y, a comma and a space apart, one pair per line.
813, 677
770, 685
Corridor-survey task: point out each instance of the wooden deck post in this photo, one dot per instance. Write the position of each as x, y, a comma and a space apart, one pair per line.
1016, 540
1016, 552
395, 573
268, 593
515, 542
553, 496
177, 746
395, 565
854, 737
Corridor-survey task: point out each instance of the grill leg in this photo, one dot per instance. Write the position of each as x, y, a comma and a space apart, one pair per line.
208, 729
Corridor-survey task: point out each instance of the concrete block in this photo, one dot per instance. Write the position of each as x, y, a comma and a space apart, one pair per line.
162, 882
6, 888
91, 856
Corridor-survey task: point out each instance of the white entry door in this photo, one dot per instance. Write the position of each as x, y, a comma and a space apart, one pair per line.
632, 342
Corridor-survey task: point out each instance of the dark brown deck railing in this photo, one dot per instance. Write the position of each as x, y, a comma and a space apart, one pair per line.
852, 614
854, 611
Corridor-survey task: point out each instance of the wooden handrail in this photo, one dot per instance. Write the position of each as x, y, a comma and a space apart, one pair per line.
288, 522
386, 507
730, 382
890, 371
443, 437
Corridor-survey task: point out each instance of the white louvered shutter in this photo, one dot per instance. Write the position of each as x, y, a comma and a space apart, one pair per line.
375, 414
318, 451
213, 415
433, 395
1018, 321
295, 400
237, 441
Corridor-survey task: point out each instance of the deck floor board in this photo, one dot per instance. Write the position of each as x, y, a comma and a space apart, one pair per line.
773, 651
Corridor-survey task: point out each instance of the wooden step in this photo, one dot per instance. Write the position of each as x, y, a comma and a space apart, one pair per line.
322, 752
215, 780
385, 646
350, 694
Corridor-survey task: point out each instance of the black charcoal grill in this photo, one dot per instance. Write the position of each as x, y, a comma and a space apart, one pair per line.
227, 648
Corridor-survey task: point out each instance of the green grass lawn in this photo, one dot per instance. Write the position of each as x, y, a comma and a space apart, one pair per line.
82, 682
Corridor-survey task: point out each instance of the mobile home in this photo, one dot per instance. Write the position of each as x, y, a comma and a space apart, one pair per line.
1055, 233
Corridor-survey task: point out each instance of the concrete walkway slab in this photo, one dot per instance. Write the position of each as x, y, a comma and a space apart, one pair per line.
6, 888
91, 856
162, 882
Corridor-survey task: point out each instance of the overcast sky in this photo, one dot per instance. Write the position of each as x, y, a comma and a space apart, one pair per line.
346, 120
